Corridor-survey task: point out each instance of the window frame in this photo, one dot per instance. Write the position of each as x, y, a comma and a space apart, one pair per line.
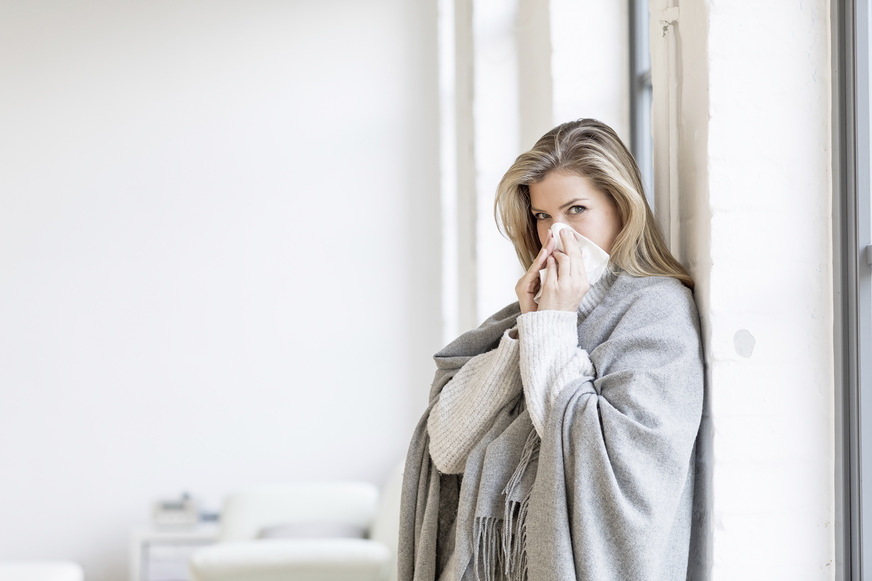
641, 94
852, 254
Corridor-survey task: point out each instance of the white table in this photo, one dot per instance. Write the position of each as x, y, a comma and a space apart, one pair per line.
161, 554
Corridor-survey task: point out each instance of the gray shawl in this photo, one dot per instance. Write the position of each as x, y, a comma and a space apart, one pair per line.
607, 493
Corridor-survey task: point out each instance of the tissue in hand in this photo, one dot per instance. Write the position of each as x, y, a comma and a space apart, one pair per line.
594, 258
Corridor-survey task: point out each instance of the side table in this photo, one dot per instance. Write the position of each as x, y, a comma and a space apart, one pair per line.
162, 553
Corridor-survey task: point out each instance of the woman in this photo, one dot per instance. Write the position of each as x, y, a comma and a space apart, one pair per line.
559, 439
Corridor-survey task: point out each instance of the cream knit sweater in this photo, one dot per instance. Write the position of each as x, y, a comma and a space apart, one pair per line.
541, 362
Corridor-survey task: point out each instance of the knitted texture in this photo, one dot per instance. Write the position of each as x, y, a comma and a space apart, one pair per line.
469, 402
549, 360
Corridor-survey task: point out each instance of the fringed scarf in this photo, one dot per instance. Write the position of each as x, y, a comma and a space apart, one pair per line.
494, 493
499, 528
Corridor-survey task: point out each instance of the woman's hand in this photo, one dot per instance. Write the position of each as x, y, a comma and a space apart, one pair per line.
565, 282
529, 284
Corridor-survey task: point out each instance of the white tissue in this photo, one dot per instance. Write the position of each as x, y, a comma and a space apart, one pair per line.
594, 258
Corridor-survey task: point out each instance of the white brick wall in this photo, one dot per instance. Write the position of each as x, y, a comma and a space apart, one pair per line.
755, 190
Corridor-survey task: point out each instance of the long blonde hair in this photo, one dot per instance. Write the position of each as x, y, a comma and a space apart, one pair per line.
592, 150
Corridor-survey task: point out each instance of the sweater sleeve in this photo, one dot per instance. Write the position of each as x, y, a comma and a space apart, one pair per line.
469, 402
550, 359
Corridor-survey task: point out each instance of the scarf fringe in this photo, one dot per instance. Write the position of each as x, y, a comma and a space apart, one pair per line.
514, 548
486, 551
528, 454
500, 547
515, 541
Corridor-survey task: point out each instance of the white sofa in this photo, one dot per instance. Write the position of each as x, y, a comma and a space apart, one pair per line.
333, 531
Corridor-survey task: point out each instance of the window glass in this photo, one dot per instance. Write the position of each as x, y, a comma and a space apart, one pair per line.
641, 93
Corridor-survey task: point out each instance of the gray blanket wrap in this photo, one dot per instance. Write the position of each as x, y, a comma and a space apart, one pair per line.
607, 494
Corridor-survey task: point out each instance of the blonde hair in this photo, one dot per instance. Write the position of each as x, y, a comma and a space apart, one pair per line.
592, 150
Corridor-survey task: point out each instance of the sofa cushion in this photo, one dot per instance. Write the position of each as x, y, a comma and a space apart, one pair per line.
314, 530
293, 560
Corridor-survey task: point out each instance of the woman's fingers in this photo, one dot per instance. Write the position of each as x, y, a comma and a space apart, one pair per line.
573, 250
551, 273
565, 282
564, 264
550, 243
567, 258
538, 263
528, 285
570, 243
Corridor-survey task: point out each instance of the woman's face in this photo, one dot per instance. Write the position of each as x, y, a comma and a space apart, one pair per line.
572, 200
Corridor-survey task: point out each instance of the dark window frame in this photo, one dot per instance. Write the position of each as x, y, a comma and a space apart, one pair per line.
641, 94
852, 254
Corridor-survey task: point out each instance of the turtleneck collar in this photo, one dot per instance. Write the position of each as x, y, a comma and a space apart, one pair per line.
598, 291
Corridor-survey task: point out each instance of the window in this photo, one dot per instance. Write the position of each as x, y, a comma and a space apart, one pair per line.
641, 93
853, 278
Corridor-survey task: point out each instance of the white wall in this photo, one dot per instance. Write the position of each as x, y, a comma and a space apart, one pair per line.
219, 254
755, 197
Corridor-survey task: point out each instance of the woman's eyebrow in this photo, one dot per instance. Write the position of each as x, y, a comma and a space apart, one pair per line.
575, 201
566, 205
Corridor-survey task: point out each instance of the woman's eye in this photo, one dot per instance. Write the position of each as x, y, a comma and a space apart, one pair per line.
540, 216
577, 209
